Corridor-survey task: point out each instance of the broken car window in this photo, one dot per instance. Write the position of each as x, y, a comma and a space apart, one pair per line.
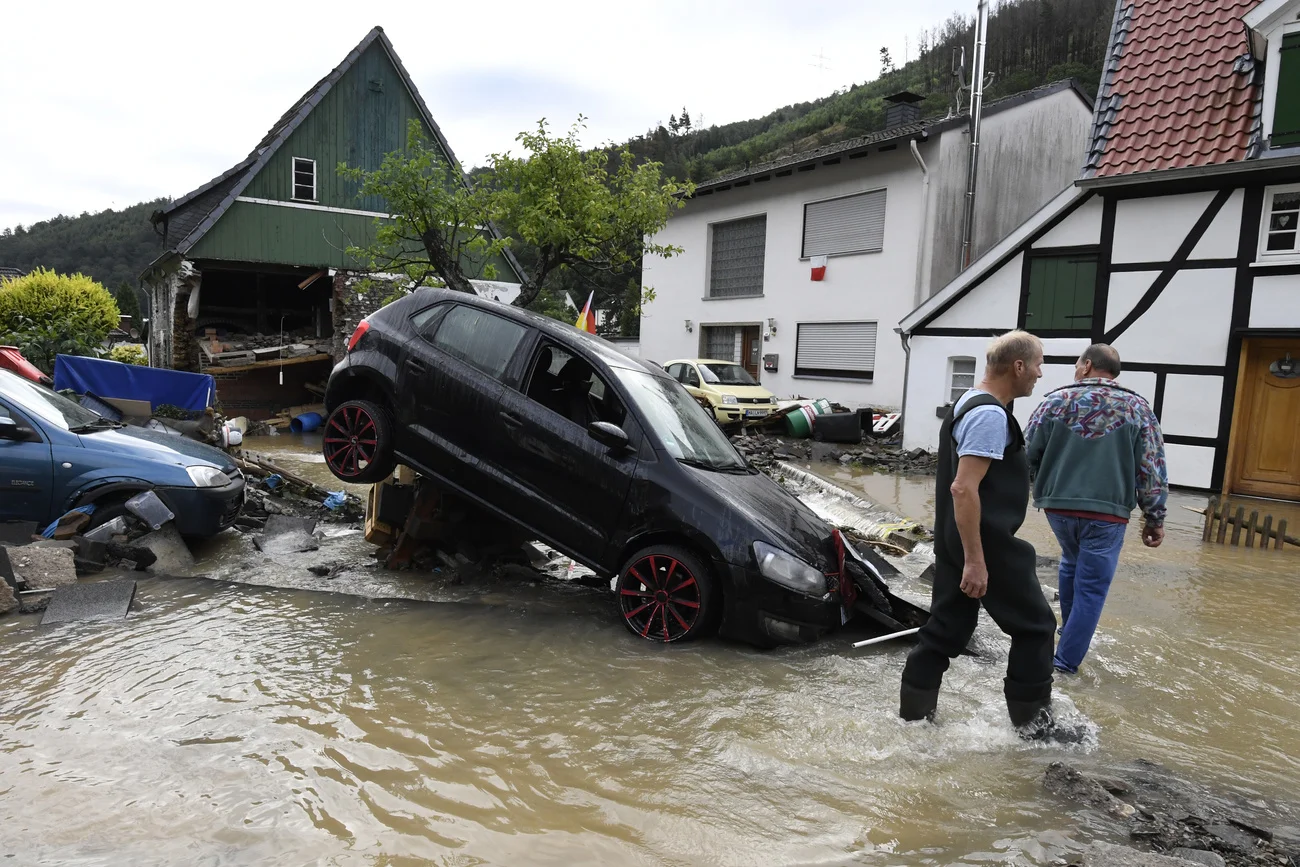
479, 338
686, 430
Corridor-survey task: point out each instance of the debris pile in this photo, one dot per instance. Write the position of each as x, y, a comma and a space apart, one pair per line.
218, 348
1175, 818
273, 490
883, 454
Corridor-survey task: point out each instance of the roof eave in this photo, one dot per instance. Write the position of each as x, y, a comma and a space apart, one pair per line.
1240, 167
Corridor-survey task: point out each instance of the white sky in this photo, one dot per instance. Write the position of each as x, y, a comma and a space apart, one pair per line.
109, 104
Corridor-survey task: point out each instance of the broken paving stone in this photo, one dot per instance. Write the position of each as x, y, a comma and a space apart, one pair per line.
171, 555
278, 524
100, 600
44, 568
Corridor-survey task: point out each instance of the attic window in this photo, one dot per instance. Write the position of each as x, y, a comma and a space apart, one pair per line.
304, 179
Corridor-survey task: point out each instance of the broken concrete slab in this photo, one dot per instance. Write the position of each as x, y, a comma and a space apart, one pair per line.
171, 555
279, 524
101, 600
17, 532
293, 542
90, 555
8, 598
7, 569
1110, 855
44, 568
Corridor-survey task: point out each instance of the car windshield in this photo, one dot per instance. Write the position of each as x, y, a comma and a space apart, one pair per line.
682, 425
726, 374
50, 406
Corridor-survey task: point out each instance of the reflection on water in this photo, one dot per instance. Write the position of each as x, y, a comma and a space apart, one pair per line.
233, 724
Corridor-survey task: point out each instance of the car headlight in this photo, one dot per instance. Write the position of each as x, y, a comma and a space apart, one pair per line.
207, 477
789, 571
729, 398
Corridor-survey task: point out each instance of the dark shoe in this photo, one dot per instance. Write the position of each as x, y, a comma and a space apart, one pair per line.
917, 704
1034, 721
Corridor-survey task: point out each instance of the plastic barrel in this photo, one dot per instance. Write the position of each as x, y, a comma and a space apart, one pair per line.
799, 422
822, 406
306, 423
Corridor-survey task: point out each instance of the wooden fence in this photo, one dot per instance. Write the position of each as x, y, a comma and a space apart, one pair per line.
1221, 514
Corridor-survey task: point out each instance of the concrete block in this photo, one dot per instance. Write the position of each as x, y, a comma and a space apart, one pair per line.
101, 600
17, 532
44, 568
172, 555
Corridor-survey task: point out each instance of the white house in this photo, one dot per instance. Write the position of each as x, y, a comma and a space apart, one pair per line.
886, 210
1178, 246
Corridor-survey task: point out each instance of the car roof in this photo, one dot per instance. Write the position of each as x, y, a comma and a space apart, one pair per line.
559, 331
700, 361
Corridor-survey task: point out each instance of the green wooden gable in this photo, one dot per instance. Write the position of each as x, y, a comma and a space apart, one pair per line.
254, 213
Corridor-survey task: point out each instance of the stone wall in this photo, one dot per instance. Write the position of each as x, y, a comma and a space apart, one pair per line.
356, 296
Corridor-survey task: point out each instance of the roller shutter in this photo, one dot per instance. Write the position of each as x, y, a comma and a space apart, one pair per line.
852, 224
845, 350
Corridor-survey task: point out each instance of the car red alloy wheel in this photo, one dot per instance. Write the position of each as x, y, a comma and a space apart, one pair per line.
351, 441
659, 598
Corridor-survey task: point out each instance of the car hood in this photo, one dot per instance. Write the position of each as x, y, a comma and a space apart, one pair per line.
747, 391
158, 446
770, 510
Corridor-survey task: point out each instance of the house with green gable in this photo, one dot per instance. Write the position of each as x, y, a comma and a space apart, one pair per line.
255, 284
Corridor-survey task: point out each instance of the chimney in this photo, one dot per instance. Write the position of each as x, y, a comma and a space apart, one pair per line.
903, 108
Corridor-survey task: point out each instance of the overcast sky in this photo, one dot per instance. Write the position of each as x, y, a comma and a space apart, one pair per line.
109, 104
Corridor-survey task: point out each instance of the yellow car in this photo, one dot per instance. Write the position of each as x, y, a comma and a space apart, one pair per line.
733, 394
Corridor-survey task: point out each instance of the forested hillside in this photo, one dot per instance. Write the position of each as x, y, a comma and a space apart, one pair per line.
111, 246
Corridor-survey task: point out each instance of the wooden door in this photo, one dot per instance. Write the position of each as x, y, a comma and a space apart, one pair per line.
751, 346
1267, 443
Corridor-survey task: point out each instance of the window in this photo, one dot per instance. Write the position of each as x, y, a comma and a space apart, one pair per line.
843, 350
675, 371
1281, 220
961, 376
476, 337
736, 263
852, 224
1286, 105
569, 386
1060, 290
426, 321
304, 179
720, 342
689, 377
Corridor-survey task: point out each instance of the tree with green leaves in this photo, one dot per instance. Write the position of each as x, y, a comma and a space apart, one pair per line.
128, 303
577, 214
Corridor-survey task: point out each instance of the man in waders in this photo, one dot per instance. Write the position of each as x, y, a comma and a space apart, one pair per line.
981, 496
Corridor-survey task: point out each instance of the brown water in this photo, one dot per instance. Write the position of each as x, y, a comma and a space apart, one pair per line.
229, 724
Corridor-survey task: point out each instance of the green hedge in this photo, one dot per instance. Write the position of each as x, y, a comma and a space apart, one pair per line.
45, 314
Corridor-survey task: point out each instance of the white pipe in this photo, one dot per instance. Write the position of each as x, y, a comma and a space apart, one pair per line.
976, 110
888, 637
925, 217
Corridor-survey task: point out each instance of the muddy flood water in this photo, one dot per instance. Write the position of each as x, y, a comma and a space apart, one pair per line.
226, 723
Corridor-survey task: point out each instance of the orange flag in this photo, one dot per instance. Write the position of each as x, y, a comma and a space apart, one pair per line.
587, 318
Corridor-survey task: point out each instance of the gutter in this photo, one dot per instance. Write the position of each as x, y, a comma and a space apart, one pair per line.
1259, 164
921, 234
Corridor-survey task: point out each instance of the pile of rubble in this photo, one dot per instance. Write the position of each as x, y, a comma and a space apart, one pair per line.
1184, 823
883, 454
237, 350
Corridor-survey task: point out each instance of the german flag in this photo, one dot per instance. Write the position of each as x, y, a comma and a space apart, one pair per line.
587, 318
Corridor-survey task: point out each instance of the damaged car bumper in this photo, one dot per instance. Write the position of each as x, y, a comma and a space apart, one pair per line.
205, 511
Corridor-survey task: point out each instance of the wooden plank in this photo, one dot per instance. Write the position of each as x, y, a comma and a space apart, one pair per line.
1250, 529
1267, 532
1210, 510
1238, 521
1223, 523
274, 363
1281, 534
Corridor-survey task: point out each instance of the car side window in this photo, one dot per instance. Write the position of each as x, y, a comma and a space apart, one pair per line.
691, 378
566, 384
426, 321
4, 411
477, 337
675, 371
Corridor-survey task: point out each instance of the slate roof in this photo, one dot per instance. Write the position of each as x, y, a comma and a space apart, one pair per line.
903, 132
1178, 89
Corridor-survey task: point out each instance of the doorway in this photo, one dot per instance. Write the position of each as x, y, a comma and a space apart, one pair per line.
742, 344
1264, 456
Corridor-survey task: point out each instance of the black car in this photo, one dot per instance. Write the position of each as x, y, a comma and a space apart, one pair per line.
599, 455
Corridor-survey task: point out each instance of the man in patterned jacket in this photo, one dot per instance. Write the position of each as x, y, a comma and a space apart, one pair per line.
1096, 451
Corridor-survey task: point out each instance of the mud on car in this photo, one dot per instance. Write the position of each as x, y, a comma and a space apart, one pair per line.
597, 454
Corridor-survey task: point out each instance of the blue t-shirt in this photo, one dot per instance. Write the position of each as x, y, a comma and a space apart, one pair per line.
982, 431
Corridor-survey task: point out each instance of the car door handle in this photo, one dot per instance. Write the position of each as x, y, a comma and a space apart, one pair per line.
416, 366
510, 419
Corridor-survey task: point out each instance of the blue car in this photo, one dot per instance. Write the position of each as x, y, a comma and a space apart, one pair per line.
56, 455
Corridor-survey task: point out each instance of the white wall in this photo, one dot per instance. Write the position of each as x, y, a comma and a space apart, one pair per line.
1275, 302
1187, 324
1151, 230
994, 304
1080, 229
862, 287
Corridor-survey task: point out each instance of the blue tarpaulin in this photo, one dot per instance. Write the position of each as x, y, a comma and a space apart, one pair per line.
192, 391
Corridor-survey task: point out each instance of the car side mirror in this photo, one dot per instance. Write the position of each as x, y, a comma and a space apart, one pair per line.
12, 430
609, 435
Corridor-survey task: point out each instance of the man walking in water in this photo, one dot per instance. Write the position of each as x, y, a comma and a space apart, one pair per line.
1096, 451
981, 496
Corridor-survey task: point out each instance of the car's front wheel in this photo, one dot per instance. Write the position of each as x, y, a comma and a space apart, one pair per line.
666, 593
358, 442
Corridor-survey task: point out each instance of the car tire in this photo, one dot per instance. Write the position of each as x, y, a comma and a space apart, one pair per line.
668, 594
358, 442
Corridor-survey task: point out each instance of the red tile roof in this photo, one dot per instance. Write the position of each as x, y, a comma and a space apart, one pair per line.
1176, 92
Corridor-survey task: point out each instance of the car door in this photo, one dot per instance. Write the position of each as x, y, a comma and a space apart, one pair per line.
26, 472
569, 487
454, 376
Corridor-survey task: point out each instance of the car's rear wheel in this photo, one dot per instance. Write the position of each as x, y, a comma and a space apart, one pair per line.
666, 594
358, 442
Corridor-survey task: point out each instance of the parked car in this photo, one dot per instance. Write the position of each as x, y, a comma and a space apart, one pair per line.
56, 455
733, 394
602, 456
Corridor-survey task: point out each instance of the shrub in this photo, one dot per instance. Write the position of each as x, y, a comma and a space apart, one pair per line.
129, 353
46, 314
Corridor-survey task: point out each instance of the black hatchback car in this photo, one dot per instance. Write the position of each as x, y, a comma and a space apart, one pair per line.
599, 455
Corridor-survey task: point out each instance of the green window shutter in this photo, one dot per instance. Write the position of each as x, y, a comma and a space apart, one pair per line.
1286, 104
1061, 292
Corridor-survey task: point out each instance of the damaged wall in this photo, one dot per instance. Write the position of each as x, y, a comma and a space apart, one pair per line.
169, 293
357, 295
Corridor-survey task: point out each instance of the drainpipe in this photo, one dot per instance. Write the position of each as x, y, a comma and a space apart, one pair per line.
976, 109
907, 372
925, 218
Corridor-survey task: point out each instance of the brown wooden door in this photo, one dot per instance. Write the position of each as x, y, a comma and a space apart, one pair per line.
1267, 445
751, 346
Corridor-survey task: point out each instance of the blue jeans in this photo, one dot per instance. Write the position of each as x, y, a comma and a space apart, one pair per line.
1089, 555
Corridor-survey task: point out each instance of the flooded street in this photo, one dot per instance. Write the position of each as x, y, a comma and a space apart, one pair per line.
502, 723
